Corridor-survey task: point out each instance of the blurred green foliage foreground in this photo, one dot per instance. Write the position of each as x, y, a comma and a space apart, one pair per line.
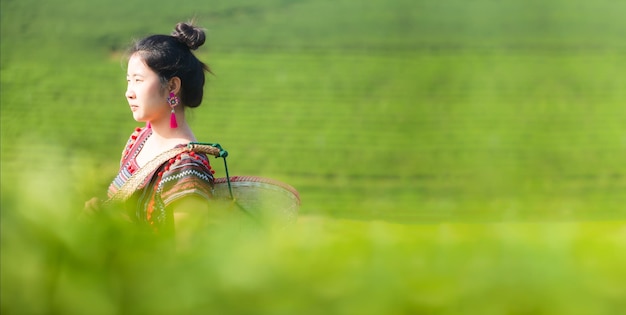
495, 129
53, 263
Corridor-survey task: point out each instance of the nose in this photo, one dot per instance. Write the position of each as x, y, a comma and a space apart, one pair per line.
129, 94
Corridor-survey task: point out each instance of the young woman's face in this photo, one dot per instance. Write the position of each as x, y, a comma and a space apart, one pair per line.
144, 92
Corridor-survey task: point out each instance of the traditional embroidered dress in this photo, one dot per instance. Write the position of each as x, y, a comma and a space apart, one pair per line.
187, 174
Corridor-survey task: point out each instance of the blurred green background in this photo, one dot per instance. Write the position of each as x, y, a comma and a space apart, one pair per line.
494, 129
402, 110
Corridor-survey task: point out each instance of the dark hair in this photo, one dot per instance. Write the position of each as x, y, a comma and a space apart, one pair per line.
170, 56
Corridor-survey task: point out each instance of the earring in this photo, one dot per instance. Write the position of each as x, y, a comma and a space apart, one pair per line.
173, 101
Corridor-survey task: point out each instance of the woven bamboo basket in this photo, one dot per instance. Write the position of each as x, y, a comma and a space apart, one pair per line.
267, 200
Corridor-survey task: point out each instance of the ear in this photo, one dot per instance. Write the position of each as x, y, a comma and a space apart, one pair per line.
174, 85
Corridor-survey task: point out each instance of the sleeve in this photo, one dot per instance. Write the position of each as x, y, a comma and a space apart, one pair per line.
187, 174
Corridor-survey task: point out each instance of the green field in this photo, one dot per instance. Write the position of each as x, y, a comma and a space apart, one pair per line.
468, 154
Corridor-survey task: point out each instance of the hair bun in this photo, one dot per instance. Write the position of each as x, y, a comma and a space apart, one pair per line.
189, 35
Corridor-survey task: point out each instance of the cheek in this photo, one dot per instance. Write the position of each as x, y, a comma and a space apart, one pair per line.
155, 95
158, 93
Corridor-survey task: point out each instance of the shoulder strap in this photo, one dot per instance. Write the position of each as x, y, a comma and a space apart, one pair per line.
135, 180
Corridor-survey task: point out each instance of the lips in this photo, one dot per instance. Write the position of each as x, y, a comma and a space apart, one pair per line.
133, 107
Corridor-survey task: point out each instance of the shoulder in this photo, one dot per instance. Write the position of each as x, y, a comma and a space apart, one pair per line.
186, 167
186, 174
188, 162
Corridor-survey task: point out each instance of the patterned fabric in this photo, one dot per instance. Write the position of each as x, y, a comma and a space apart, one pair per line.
187, 174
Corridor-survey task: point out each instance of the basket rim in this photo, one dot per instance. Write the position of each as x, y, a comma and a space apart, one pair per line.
259, 179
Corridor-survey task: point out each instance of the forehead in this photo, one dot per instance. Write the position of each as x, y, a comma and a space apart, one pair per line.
137, 66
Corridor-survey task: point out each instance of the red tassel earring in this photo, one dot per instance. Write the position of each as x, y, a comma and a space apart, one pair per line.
173, 101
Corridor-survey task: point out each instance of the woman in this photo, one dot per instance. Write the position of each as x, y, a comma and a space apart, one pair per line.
164, 77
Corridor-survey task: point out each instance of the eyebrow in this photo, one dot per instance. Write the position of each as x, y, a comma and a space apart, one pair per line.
135, 75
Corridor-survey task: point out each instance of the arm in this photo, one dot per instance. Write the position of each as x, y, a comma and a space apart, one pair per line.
186, 191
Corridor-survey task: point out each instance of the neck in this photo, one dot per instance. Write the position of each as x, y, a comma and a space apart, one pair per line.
163, 133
